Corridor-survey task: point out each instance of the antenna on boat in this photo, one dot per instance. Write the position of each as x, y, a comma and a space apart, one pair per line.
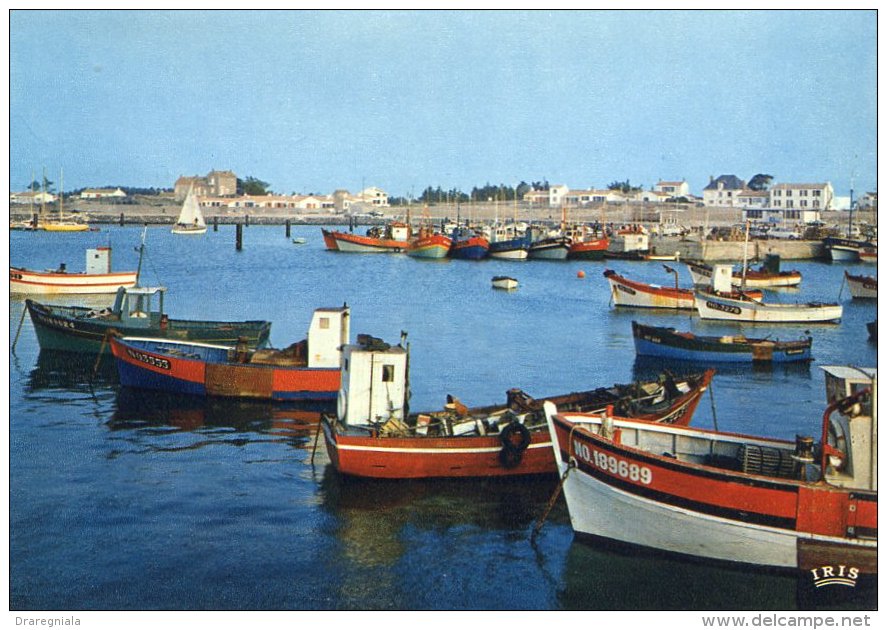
141, 250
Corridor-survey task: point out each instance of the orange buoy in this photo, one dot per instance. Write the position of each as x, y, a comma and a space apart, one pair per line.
580, 274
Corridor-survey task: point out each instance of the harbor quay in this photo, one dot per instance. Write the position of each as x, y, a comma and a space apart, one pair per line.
711, 233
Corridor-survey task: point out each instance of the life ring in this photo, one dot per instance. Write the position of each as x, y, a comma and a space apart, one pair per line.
515, 437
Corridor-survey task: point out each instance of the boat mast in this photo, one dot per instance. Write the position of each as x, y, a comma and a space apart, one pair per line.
744, 256
61, 193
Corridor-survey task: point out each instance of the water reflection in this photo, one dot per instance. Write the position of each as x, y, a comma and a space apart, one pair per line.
141, 409
648, 367
374, 514
601, 575
70, 370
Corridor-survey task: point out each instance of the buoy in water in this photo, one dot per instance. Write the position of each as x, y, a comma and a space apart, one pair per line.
580, 274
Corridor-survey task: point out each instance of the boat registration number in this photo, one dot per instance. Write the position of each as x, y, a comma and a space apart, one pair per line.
727, 308
613, 465
626, 289
157, 362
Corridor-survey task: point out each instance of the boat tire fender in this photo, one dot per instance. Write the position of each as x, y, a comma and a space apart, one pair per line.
515, 437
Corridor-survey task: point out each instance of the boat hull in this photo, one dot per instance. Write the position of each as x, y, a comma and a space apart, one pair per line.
862, 287
161, 366
513, 249
754, 279
435, 246
357, 244
427, 457
629, 293
588, 250
622, 493
75, 329
363, 453
24, 281
195, 231
666, 344
474, 248
550, 251
712, 306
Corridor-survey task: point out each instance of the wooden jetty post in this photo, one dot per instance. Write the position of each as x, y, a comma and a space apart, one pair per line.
215, 224
287, 228
238, 239
121, 220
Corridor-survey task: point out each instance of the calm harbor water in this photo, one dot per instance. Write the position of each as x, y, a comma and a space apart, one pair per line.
137, 501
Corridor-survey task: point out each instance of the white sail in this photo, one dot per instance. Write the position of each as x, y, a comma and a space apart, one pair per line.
191, 215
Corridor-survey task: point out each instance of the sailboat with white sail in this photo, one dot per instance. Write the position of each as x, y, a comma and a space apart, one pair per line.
191, 218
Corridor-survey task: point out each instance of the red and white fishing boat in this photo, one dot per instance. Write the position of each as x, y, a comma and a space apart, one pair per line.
766, 276
589, 249
374, 435
625, 292
429, 244
98, 277
862, 287
307, 370
731, 497
392, 238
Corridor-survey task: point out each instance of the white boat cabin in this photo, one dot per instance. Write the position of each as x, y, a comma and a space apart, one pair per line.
328, 333
722, 278
852, 431
373, 388
98, 260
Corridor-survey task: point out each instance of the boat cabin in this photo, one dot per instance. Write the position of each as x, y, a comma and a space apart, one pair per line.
373, 388
852, 432
98, 260
136, 306
722, 278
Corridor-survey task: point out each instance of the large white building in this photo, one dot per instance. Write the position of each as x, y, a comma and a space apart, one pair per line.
802, 196
673, 189
723, 191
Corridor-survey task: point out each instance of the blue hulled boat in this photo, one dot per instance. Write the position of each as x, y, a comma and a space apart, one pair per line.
668, 343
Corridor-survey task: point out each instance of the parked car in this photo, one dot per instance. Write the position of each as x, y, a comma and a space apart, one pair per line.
780, 233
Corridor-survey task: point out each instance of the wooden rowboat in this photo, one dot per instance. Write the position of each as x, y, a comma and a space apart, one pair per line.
667, 343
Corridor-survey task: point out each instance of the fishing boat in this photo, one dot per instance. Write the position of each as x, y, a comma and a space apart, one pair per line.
429, 243
757, 501
768, 275
507, 243
869, 254
504, 282
590, 248
469, 244
307, 370
668, 343
625, 292
548, 244
98, 277
848, 249
862, 287
374, 435
718, 302
711, 305
136, 312
390, 238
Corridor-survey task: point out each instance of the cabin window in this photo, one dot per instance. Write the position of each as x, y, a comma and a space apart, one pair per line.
387, 373
324, 323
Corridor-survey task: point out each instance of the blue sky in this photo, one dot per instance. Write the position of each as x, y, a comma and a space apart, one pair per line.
315, 101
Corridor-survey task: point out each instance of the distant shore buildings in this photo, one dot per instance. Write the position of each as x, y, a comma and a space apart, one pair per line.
795, 202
